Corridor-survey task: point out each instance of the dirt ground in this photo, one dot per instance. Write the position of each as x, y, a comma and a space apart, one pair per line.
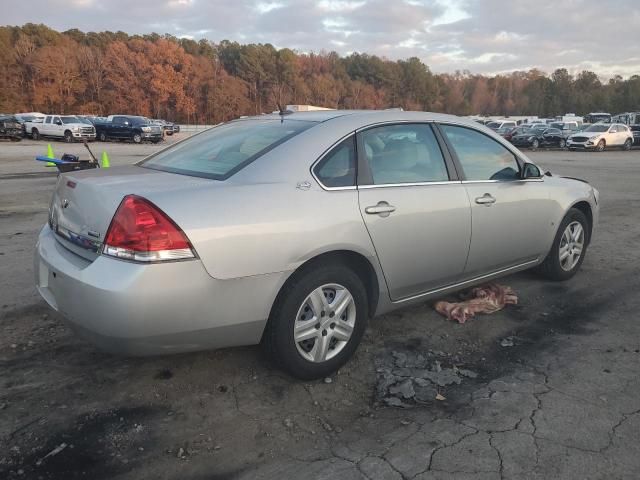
556, 393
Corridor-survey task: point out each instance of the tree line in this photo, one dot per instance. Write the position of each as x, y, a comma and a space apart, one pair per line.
183, 80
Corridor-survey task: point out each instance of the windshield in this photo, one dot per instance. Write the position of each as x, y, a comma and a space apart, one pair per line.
69, 120
84, 120
597, 128
222, 151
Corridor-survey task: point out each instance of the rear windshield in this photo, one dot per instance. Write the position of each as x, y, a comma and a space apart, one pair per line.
222, 151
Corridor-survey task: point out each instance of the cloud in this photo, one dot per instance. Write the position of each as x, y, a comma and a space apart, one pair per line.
484, 36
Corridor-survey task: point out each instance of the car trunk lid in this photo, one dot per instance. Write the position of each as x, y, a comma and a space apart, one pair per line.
84, 202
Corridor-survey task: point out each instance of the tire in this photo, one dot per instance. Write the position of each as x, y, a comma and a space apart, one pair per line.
294, 304
136, 138
627, 145
563, 143
103, 137
553, 267
35, 134
68, 136
602, 145
535, 144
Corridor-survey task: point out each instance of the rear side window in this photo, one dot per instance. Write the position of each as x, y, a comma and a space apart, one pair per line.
338, 167
405, 153
222, 151
481, 157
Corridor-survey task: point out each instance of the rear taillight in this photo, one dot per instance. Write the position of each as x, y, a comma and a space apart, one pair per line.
142, 232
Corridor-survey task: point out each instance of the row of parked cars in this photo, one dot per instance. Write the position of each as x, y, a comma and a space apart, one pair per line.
72, 128
573, 133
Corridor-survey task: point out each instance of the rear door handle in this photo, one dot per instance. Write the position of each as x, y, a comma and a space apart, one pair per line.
382, 208
486, 199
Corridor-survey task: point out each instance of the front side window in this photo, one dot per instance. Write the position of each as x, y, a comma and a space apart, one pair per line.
406, 153
338, 167
221, 151
481, 157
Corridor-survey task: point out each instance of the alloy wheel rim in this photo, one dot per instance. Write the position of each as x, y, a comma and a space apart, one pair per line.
571, 246
324, 323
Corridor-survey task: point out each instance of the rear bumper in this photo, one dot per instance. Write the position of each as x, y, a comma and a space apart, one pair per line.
137, 309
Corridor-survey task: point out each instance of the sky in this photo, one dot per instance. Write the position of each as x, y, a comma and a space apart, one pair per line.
482, 36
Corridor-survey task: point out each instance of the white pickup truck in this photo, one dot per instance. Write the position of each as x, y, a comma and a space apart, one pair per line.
66, 127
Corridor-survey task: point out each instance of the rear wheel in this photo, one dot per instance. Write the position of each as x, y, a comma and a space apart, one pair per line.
318, 321
535, 144
68, 136
137, 138
627, 144
35, 134
569, 247
601, 146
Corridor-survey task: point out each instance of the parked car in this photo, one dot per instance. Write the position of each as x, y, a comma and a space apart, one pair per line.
601, 136
128, 127
260, 230
502, 125
168, 127
535, 138
10, 128
515, 131
635, 130
597, 117
567, 128
65, 127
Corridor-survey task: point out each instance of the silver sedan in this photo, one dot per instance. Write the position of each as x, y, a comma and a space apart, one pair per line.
293, 230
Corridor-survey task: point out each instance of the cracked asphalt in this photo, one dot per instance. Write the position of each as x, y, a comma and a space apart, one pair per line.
562, 402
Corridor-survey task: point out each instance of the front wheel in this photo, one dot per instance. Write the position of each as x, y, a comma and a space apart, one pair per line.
137, 138
569, 247
535, 144
317, 321
563, 143
103, 137
627, 145
601, 146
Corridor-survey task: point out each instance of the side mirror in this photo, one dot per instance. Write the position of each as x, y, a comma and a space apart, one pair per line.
58, 122
530, 171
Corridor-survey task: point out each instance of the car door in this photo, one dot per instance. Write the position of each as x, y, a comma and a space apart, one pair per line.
511, 224
415, 209
56, 127
552, 136
45, 127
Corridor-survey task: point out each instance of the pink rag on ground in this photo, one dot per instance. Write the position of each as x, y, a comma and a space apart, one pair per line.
485, 299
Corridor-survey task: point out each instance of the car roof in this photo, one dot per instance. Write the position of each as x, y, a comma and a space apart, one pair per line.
367, 117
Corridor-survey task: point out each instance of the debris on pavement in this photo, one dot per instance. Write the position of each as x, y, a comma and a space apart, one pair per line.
484, 299
407, 379
52, 453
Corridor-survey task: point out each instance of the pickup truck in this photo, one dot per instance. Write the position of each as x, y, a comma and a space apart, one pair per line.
127, 127
67, 127
10, 128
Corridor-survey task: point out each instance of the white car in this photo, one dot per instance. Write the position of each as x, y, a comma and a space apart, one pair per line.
600, 136
67, 127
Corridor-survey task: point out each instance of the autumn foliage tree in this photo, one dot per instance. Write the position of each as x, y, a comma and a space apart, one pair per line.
204, 82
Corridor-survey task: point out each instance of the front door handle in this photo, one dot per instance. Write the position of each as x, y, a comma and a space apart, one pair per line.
486, 199
382, 208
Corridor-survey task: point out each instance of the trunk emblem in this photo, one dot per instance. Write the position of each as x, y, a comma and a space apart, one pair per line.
65, 203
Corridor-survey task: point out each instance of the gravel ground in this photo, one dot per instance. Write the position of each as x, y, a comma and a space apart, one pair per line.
547, 389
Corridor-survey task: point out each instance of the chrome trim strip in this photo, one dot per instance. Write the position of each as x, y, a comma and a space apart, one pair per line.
417, 184
456, 285
504, 181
